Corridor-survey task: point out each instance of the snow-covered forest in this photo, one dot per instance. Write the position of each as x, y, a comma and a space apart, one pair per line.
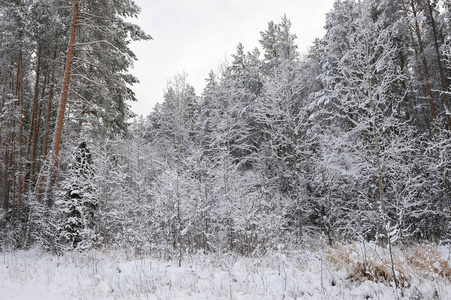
349, 144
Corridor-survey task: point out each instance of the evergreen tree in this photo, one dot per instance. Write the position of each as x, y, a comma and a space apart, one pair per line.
79, 205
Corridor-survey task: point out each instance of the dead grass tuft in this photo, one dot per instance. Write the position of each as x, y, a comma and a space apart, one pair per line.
427, 260
366, 265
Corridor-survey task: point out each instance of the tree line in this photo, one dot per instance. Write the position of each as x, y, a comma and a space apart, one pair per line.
353, 141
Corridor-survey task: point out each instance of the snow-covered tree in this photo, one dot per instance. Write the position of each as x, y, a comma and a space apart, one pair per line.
79, 205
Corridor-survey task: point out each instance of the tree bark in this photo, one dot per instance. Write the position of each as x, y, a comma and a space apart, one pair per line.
32, 138
65, 90
35, 144
9, 140
47, 127
20, 160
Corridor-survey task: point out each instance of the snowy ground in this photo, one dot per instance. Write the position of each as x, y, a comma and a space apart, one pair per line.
304, 274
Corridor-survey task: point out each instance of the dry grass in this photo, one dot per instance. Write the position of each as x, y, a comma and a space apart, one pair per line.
371, 263
367, 264
427, 260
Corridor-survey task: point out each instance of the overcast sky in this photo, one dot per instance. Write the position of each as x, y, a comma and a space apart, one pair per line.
196, 36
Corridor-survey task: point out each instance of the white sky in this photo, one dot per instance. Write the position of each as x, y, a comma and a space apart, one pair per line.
196, 36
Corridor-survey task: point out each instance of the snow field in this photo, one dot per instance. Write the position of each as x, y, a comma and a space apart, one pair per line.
304, 274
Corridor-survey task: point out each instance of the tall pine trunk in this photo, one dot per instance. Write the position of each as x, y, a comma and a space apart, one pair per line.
45, 144
65, 91
32, 138
20, 160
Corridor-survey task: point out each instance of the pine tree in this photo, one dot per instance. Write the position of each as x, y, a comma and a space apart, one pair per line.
79, 205
99, 54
